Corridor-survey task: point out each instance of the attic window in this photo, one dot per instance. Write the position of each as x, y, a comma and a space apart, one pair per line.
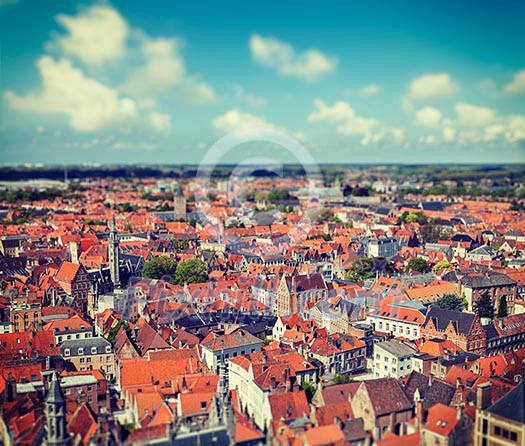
203, 404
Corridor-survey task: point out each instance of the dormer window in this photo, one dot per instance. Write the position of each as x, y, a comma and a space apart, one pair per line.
108, 349
67, 352
81, 350
93, 350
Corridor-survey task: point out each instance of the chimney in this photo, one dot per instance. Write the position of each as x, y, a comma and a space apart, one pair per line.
484, 395
459, 412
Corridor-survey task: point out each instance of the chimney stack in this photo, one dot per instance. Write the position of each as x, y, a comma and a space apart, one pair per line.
484, 395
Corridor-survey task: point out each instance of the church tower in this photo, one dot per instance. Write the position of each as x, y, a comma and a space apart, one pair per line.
179, 205
113, 256
56, 433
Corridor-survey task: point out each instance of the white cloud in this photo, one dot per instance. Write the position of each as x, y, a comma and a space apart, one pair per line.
429, 86
89, 104
428, 117
517, 85
515, 130
164, 72
428, 139
247, 97
344, 116
469, 115
95, 36
308, 65
369, 90
235, 119
160, 122
449, 134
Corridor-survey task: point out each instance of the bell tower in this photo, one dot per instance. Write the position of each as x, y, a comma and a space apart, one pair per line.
179, 205
113, 256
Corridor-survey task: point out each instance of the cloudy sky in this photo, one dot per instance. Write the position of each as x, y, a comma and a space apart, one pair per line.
161, 81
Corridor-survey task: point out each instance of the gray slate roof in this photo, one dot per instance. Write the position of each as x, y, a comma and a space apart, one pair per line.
512, 405
462, 321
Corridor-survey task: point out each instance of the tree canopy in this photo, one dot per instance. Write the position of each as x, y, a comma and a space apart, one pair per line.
360, 270
502, 308
417, 264
191, 271
484, 307
159, 267
450, 301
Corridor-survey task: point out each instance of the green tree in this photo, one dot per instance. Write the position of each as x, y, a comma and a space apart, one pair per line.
360, 270
126, 207
309, 389
449, 301
441, 265
159, 267
191, 271
484, 307
417, 264
181, 245
278, 195
343, 379
325, 215
502, 308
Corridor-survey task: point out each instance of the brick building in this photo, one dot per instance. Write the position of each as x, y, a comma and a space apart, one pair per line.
463, 329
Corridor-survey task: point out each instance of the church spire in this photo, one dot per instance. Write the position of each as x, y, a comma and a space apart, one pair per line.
56, 433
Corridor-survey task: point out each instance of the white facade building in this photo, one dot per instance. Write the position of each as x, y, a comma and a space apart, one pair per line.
392, 359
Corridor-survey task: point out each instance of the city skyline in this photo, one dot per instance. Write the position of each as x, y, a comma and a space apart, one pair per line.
117, 82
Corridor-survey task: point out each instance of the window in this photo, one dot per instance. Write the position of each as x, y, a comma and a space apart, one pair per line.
67, 352
108, 348
90, 389
80, 350
93, 350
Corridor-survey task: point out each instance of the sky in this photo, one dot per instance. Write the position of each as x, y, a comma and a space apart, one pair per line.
351, 82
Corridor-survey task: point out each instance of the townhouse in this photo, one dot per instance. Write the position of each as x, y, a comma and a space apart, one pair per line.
392, 359
339, 354
90, 354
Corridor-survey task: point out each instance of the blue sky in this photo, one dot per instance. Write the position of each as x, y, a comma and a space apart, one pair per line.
161, 81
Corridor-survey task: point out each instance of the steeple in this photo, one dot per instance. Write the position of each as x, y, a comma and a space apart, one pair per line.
179, 205
113, 254
56, 433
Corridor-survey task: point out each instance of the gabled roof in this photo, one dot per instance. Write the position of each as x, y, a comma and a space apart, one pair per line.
441, 419
462, 321
512, 405
386, 396
67, 272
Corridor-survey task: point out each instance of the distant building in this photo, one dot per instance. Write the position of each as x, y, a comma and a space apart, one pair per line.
24, 317
295, 292
219, 346
383, 247
497, 285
